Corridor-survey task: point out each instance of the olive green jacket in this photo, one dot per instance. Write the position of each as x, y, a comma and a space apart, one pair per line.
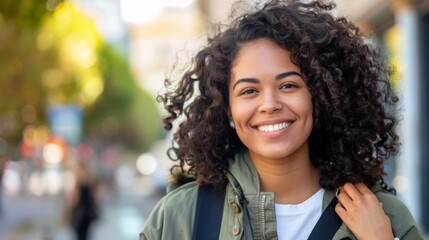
173, 217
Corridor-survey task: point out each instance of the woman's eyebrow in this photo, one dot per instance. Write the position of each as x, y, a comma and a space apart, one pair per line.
248, 80
278, 77
287, 74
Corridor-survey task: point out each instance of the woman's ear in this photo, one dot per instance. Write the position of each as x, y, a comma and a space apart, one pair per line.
228, 114
230, 120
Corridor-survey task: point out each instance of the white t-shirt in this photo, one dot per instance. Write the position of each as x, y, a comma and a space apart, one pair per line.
296, 221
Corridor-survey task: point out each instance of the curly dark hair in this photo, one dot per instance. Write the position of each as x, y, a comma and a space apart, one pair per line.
354, 125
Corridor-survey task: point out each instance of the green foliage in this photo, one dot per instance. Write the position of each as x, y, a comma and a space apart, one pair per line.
21, 64
123, 100
26, 14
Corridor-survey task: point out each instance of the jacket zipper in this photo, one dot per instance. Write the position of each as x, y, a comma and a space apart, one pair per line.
263, 200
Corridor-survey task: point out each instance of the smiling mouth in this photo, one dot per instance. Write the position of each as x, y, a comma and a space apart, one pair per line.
274, 127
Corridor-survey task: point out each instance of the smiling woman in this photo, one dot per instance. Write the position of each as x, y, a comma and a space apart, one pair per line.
289, 132
270, 103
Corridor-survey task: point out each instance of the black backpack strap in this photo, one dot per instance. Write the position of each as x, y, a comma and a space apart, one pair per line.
328, 223
208, 213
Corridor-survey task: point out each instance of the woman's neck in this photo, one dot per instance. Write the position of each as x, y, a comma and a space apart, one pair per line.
293, 181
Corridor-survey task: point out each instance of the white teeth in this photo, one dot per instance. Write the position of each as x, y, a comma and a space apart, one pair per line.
274, 127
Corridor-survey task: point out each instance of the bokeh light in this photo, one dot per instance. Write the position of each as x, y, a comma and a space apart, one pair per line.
179, 3
125, 176
35, 183
11, 179
28, 114
140, 11
109, 158
84, 152
53, 153
401, 183
53, 181
146, 164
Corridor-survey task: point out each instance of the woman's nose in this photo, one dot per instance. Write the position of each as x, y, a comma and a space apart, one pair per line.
269, 103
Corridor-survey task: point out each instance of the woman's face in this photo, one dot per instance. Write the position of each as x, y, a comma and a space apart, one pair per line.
270, 103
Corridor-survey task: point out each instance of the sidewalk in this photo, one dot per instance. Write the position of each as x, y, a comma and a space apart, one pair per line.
26, 217
31, 218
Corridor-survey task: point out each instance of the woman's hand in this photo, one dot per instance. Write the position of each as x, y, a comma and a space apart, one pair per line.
360, 210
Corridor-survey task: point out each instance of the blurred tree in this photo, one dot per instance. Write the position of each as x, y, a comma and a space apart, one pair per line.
21, 65
52, 54
76, 76
127, 113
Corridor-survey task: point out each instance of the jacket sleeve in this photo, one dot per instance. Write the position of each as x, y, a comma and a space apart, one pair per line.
154, 226
173, 217
413, 233
403, 223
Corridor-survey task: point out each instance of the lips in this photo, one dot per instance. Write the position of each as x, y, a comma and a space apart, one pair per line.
274, 127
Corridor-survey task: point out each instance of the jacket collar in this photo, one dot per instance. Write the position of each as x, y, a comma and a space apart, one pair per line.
244, 172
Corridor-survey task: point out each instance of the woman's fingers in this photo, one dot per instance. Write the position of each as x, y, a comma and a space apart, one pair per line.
361, 211
362, 188
352, 191
345, 200
340, 210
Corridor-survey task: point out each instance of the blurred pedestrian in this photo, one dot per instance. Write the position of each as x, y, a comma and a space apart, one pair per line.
84, 207
287, 126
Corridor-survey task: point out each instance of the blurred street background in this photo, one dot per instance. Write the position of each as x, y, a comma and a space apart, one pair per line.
78, 83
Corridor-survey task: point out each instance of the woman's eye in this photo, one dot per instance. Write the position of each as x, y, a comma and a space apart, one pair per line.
248, 92
289, 85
